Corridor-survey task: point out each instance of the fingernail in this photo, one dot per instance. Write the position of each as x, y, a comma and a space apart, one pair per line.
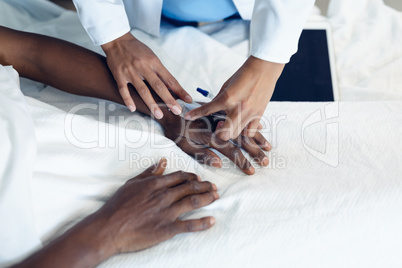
265, 161
217, 164
198, 178
212, 221
252, 170
216, 195
176, 110
187, 117
214, 187
158, 114
131, 108
188, 98
267, 145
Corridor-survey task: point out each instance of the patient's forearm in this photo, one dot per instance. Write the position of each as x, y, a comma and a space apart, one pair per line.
63, 65
81, 246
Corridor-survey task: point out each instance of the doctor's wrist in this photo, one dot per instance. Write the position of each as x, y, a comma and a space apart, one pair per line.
272, 69
112, 45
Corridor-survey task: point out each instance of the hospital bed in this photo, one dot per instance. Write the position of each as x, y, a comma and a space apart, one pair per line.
330, 197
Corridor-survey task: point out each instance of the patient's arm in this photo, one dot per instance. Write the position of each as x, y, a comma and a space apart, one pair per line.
76, 70
61, 64
142, 213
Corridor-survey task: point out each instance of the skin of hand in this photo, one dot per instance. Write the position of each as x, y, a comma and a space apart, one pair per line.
142, 213
131, 61
79, 71
243, 97
196, 137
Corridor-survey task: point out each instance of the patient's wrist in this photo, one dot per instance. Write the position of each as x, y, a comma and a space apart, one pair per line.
94, 240
169, 119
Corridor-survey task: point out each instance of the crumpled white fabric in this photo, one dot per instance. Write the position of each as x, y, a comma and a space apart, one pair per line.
330, 197
18, 234
368, 37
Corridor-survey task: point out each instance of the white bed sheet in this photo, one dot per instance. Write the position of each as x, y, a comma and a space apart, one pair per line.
298, 212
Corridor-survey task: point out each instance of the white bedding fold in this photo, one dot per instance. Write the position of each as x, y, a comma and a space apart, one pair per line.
330, 197
18, 234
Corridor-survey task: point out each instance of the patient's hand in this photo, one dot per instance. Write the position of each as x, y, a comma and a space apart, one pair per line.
146, 210
195, 137
142, 213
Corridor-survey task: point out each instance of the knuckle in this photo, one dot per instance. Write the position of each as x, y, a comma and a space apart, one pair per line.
194, 186
157, 183
161, 196
171, 81
139, 63
149, 185
181, 174
245, 106
158, 86
166, 232
235, 153
142, 90
171, 102
229, 100
127, 99
249, 133
124, 69
261, 154
195, 201
190, 226
193, 177
153, 60
204, 109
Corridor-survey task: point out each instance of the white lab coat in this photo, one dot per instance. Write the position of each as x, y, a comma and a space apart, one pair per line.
276, 25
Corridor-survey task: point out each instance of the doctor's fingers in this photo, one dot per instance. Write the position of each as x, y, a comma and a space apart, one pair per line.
214, 106
231, 127
160, 88
170, 81
251, 129
122, 85
146, 96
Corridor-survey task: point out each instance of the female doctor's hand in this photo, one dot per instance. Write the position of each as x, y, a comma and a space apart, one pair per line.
243, 97
197, 138
130, 61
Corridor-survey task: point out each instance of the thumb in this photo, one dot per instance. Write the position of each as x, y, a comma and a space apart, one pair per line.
204, 110
156, 169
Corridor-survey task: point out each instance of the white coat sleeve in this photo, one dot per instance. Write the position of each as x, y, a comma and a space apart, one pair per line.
104, 20
276, 26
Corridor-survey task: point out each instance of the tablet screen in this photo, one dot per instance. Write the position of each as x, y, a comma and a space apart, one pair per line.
307, 77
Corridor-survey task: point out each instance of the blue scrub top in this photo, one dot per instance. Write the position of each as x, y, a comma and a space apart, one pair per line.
198, 10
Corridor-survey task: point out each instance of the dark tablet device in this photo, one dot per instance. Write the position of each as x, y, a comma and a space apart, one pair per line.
310, 75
